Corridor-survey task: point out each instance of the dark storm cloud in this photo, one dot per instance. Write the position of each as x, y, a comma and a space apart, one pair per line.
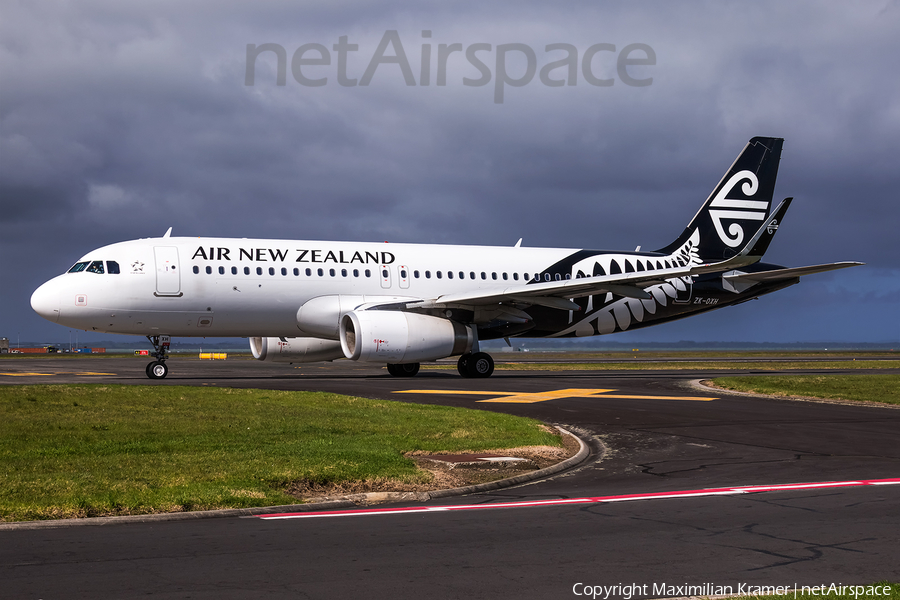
119, 120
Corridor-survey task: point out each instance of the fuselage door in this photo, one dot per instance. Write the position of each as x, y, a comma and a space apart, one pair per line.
168, 271
403, 272
385, 276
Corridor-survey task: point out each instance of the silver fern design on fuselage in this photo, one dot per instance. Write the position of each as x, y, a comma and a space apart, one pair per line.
616, 311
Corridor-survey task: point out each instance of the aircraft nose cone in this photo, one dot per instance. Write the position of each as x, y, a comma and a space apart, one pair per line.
45, 301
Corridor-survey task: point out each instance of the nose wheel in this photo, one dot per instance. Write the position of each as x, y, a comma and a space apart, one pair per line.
157, 369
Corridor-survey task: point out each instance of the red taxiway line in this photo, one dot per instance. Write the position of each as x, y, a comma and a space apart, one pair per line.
752, 489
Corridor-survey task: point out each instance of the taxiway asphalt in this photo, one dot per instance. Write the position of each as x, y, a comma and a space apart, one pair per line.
659, 434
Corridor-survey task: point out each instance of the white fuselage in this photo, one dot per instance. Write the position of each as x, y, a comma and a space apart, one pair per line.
253, 287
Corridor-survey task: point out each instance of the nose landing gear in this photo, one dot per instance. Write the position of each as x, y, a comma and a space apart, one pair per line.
158, 369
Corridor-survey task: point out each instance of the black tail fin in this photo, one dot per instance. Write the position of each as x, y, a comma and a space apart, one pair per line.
738, 205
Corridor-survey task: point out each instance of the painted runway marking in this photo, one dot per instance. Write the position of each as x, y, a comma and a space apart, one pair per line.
754, 489
529, 398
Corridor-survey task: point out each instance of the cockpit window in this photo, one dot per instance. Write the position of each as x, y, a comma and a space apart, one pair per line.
96, 267
78, 267
112, 267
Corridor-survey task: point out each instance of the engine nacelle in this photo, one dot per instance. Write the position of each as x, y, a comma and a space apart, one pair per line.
392, 336
321, 316
302, 349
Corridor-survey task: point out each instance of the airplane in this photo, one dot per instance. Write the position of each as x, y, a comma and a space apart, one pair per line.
403, 304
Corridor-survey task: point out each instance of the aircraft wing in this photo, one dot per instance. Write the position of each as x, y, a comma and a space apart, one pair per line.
555, 294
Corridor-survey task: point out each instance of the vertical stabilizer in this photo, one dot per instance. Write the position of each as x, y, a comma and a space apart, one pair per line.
738, 205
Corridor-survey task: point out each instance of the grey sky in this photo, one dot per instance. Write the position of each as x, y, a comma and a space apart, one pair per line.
119, 120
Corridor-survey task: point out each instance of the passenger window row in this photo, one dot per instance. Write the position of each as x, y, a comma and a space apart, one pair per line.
494, 276
284, 271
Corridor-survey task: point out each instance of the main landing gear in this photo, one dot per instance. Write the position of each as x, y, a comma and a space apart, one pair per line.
158, 369
406, 370
478, 364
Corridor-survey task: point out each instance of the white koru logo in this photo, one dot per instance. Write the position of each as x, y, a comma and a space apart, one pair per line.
753, 210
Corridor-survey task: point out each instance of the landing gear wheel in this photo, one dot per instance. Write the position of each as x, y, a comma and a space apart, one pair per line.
480, 365
157, 370
404, 370
463, 364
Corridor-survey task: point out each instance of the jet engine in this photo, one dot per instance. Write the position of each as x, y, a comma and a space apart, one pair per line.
398, 337
303, 349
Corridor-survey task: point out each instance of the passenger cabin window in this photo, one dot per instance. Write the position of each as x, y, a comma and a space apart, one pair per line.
516, 276
196, 269
234, 270
96, 267
78, 267
246, 270
259, 270
221, 270
209, 270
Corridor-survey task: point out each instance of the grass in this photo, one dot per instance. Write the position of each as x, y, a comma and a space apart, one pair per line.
870, 387
90, 450
722, 365
883, 590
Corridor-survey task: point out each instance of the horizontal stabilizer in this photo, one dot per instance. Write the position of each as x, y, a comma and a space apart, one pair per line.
780, 274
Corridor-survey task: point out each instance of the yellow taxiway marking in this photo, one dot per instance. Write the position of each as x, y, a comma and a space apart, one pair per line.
26, 374
528, 398
57, 373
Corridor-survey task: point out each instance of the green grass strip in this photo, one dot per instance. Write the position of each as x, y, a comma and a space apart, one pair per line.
870, 387
89, 450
